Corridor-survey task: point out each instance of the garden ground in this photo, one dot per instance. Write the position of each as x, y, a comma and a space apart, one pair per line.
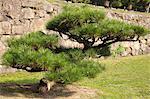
123, 78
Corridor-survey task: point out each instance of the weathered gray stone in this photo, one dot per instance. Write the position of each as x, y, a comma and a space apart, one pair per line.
22, 23
143, 41
12, 8
5, 27
49, 8
1, 30
16, 22
37, 24
2, 18
7, 5
4, 39
125, 53
126, 44
114, 46
28, 13
2, 48
147, 36
137, 19
1, 5
30, 3
143, 47
18, 30
147, 51
15, 12
48, 16
40, 13
136, 45
26, 25
134, 52
20, 16
4, 69
35, 4
148, 42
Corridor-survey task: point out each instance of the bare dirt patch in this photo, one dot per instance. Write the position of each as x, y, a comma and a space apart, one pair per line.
58, 91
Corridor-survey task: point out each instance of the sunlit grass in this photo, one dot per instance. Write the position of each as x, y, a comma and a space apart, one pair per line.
21, 77
51, 1
125, 78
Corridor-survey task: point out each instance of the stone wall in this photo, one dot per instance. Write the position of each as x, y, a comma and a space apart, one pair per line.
142, 46
18, 17
142, 19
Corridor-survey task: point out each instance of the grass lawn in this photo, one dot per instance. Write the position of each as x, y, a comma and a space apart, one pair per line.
127, 78
21, 77
123, 78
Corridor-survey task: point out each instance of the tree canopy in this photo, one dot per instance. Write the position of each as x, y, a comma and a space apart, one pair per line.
36, 52
88, 25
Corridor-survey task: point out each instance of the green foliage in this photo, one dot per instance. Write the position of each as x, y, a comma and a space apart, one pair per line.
104, 51
72, 72
120, 29
74, 17
30, 50
91, 52
116, 4
35, 40
38, 52
81, 1
86, 23
75, 54
118, 50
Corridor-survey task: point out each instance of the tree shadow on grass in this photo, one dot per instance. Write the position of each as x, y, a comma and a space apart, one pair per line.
31, 91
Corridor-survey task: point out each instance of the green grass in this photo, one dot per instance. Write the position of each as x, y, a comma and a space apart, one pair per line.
51, 1
21, 77
123, 78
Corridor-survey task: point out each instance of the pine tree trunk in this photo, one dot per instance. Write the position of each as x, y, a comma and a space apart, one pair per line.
148, 8
45, 86
106, 3
130, 6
